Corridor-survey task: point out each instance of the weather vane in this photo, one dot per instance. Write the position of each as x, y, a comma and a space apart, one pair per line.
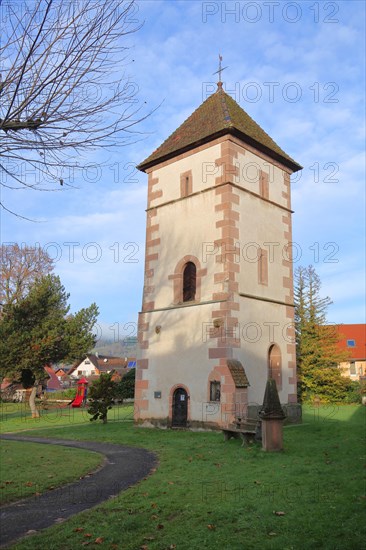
220, 68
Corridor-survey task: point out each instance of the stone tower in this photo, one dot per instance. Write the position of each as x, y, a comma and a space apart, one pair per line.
217, 312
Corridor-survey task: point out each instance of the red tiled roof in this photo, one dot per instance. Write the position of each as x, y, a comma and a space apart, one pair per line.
357, 333
217, 116
53, 382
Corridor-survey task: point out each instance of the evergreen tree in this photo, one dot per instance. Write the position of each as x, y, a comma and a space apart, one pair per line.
38, 330
316, 341
126, 387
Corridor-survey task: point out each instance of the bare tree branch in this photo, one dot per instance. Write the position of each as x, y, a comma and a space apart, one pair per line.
20, 267
63, 86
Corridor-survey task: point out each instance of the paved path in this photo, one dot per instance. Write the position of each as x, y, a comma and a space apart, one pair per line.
123, 466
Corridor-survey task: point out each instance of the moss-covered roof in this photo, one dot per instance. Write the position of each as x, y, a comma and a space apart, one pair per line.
217, 116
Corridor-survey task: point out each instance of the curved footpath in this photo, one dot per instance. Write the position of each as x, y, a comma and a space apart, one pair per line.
123, 466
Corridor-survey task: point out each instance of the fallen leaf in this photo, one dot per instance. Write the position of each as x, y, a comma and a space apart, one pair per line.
272, 534
88, 535
211, 526
171, 482
279, 513
154, 505
99, 540
149, 538
160, 526
29, 484
79, 529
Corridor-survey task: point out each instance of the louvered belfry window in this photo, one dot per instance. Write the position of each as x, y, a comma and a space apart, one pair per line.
189, 282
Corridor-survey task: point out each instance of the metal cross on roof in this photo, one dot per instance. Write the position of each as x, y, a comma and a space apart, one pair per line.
220, 68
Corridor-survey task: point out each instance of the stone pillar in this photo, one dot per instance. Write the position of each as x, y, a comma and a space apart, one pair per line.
272, 416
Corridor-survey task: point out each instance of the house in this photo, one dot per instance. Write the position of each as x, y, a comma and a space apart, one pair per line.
52, 383
217, 316
353, 340
94, 364
62, 371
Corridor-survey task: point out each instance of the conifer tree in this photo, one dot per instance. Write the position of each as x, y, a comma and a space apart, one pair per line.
316, 340
38, 330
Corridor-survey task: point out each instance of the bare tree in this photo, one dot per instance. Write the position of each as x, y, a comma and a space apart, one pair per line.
20, 267
63, 86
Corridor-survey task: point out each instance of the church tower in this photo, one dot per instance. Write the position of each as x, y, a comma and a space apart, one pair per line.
217, 312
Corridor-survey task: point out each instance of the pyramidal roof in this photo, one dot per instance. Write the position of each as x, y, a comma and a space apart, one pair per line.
215, 117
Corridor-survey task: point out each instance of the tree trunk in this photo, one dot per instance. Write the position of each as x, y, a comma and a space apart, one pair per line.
32, 400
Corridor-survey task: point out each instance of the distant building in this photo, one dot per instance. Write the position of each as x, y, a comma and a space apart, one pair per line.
353, 340
94, 365
52, 383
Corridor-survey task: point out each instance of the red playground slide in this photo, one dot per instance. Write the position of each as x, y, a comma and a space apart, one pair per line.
78, 401
81, 392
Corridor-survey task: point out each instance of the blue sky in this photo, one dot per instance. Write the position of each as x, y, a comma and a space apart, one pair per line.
298, 68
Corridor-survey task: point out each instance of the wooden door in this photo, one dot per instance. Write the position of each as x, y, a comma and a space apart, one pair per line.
180, 408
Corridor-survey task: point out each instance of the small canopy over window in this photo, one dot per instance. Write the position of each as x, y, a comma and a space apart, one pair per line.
189, 282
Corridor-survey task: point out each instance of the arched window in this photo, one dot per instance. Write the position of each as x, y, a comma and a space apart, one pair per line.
189, 282
275, 365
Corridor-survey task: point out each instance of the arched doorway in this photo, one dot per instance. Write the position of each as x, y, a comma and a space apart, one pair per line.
180, 408
275, 365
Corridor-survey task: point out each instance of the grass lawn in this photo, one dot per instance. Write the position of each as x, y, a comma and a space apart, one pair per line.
211, 494
29, 469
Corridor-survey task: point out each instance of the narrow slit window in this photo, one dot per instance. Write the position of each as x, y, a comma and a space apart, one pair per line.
262, 266
189, 282
186, 184
263, 185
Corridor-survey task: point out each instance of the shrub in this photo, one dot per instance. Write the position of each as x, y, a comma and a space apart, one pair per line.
330, 386
354, 393
62, 394
101, 396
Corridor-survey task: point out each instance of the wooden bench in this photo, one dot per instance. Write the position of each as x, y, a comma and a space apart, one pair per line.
249, 432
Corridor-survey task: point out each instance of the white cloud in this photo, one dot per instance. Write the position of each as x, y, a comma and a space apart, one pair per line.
175, 54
